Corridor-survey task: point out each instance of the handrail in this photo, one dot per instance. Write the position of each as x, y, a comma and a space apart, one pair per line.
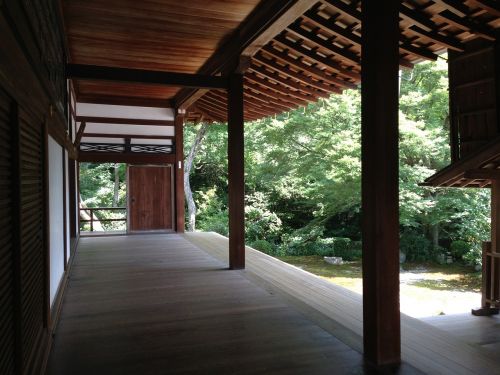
91, 211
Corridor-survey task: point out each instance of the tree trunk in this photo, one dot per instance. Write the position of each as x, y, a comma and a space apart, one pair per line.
116, 188
435, 235
188, 165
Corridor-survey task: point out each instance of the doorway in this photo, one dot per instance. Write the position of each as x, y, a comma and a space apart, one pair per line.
150, 198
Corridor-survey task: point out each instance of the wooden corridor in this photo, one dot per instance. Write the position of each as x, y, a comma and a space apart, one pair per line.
157, 304
166, 304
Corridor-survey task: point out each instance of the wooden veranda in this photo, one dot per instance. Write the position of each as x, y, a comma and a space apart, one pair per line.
115, 81
154, 304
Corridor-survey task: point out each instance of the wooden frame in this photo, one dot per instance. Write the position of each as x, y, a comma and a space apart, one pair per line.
104, 73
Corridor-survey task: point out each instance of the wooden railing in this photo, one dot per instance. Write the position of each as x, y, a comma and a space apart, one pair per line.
90, 211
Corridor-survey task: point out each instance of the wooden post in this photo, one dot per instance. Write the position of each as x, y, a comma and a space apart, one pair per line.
379, 138
495, 239
236, 161
179, 171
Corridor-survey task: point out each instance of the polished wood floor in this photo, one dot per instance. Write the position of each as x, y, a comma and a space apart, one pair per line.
158, 304
339, 311
483, 331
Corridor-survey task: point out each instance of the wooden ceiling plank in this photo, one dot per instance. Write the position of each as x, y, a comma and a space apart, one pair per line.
344, 53
465, 23
446, 41
124, 121
104, 73
299, 64
313, 55
290, 83
257, 29
285, 70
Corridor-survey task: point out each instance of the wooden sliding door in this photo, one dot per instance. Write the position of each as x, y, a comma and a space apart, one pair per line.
150, 197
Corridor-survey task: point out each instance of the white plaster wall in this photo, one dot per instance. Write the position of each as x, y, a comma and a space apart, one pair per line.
67, 207
123, 111
56, 216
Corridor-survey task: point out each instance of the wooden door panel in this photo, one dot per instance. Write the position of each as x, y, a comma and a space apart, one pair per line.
150, 198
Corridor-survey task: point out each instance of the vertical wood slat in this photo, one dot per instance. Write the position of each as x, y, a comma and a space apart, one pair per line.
236, 176
380, 228
33, 260
179, 173
9, 343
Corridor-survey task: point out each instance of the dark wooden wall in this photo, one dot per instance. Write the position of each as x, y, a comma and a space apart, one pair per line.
32, 105
474, 95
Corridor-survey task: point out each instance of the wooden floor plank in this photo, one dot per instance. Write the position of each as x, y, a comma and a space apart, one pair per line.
430, 349
157, 304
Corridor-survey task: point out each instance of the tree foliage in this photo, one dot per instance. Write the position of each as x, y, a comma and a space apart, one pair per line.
303, 174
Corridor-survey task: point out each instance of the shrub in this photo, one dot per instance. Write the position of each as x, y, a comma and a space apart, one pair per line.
416, 247
474, 256
264, 246
459, 248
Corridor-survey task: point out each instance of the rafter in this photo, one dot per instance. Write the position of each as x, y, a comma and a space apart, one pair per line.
311, 69
313, 55
285, 70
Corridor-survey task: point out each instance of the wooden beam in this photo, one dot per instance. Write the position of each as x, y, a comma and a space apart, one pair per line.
112, 157
290, 83
491, 6
482, 174
179, 171
124, 121
236, 175
407, 47
285, 70
280, 88
79, 135
468, 24
311, 36
254, 32
292, 13
380, 225
446, 41
310, 69
330, 25
313, 55
152, 77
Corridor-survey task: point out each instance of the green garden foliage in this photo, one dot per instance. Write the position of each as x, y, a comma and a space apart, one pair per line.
303, 178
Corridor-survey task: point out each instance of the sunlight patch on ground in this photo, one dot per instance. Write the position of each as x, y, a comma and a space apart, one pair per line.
428, 290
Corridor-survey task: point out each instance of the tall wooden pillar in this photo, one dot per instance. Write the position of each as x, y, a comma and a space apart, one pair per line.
494, 261
236, 172
179, 171
379, 137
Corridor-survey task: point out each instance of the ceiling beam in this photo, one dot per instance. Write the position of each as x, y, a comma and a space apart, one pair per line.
150, 77
267, 19
124, 121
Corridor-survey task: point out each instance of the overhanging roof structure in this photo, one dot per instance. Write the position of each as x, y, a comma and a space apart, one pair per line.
298, 51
